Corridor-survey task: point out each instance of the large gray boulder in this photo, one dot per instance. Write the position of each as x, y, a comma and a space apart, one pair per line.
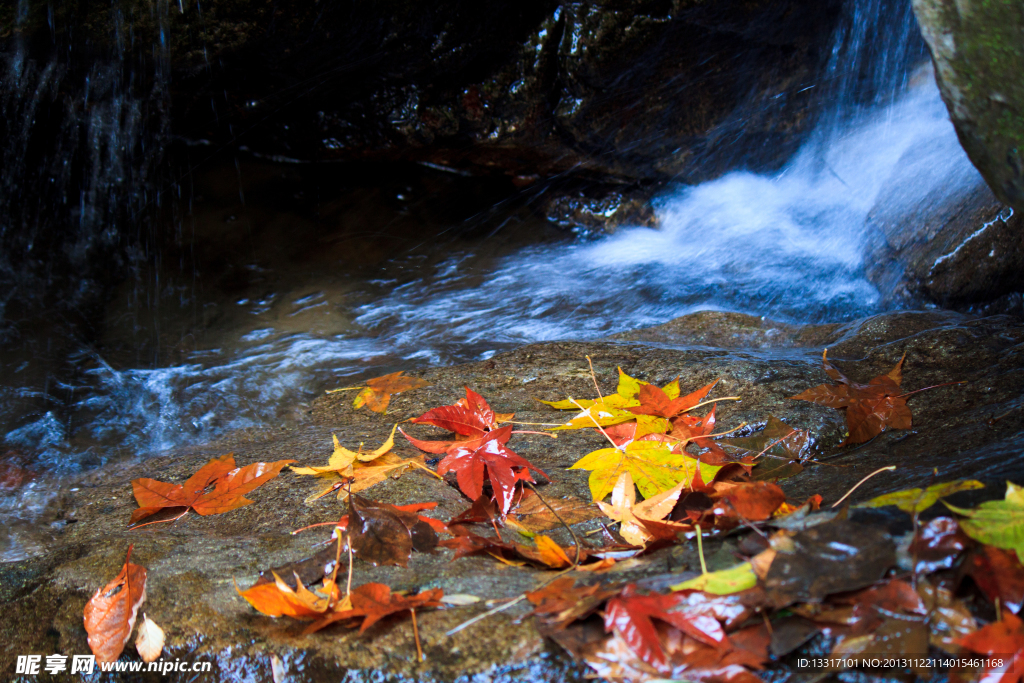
978, 50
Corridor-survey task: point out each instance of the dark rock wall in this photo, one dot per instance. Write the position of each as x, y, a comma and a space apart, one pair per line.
627, 90
83, 124
619, 95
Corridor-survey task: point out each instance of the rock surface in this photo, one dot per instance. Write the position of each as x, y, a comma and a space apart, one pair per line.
978, 50
975, 430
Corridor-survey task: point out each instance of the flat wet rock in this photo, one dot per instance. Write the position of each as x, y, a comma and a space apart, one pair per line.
973, 430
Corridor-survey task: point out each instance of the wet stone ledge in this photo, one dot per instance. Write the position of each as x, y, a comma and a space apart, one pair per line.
975, 430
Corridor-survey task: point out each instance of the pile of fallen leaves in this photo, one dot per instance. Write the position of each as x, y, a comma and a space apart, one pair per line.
804, 580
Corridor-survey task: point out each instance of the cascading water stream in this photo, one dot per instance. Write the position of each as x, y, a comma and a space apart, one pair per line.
787, 245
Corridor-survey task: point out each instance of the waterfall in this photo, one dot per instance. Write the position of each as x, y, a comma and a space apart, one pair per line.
82, 146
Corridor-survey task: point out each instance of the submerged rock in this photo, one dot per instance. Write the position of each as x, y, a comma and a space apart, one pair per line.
975, 430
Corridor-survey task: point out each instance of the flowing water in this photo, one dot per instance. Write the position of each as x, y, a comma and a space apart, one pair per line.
287, 280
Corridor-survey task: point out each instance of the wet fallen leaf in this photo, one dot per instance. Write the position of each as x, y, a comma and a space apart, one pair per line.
359, 470
828, 558
278, 599
630, 615
149, 642
948, 618
997, 522
778, 448
531, 514
342, 458
488, 458
937, 545
375, 601
870, 408
656, 402
691, 612
1005, 638
437, 525
999, 574
723, 582
916, 501
383, 534
550, 553
378, 391
633, 515
561, 603
230, 484
751, 501
470, 416
652, 465
110, 613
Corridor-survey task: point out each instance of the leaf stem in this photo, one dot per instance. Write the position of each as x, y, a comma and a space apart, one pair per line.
161, 521
598, 425
311, 526
934, 386
594, 377
700, 549
714, 400
878, 471
334, 391
416, 635
527, 431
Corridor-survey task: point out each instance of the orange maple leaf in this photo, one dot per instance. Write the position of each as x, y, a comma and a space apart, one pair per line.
376, 395
374, 601
230, 484
110, 614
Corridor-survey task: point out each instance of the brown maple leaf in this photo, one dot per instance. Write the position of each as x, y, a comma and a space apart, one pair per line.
383, 534
376, 395
533, 514
870, 408
561, 603
110, 613
230, 484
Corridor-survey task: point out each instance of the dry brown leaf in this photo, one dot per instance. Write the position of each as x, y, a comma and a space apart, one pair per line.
110, 613
150, 640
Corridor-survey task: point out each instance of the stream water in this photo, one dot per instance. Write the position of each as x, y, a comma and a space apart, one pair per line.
289, 279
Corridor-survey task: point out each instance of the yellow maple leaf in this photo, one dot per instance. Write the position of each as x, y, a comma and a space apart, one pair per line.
360, 470
625, 396
652, 465
629, 513
342, 458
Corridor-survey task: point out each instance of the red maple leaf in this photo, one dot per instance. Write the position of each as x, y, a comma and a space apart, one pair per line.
630, 615
1004, 638
470, 416
488, 458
